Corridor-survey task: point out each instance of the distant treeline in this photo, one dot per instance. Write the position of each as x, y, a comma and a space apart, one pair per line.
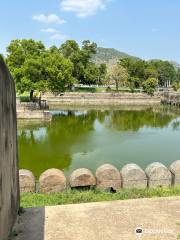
36, 68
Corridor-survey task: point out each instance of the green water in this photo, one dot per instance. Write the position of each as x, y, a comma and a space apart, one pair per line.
89, 138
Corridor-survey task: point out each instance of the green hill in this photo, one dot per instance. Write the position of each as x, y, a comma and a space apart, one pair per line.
109, 56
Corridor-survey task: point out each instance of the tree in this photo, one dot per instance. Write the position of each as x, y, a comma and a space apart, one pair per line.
119, 75
91, 73
102, 73
23, 59
176, 86
70, 49
80, 57
36, 69
135, 67
88, 49
151, 71
178, 75
150, 85
57, 71
31, 79
133, 83
166, 71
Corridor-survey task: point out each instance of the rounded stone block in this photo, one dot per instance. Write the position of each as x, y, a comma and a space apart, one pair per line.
82, 178
133, 177
52, 181
108, 177
26, 181
175, 170
158, 175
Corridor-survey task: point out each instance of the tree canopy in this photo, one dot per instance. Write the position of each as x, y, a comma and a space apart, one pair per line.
36, 68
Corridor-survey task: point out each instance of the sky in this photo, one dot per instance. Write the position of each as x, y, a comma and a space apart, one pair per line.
148, 29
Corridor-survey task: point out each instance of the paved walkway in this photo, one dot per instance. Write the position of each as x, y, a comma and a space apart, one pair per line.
159, 218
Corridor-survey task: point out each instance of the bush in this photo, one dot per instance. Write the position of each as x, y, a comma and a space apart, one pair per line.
150, 85
176, 86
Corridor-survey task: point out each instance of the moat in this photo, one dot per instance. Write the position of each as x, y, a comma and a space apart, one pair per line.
89, 138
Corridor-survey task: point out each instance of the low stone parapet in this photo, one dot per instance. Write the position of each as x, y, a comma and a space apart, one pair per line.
107, 176
82, 178
35, 114
52, 181
175, 170
26, 181
95, 99
133, 177
158, 175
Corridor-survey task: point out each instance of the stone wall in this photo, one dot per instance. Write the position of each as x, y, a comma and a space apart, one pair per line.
9, 186
96, 99
35, 115
107, 177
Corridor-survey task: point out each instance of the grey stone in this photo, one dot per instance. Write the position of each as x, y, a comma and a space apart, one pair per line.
26, 181
175, 169
9, 184
52, 181
82, 178
108, 177
133, 177
158, 175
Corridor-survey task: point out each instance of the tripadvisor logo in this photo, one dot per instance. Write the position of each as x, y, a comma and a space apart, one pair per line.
139, 231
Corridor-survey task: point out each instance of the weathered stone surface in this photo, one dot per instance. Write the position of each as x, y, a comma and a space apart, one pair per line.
175, 169
133, 177
101, 99
9, 184
158, 175
82, 178
108, 177
26, 181
52, 181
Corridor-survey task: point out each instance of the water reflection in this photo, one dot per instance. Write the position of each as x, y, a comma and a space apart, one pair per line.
134, 120
89, 138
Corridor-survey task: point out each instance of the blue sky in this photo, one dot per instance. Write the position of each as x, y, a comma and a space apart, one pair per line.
146, 29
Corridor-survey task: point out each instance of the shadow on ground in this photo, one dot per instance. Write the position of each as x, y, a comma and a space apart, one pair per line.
30, 225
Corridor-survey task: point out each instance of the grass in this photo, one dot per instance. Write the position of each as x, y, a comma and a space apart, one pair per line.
96, 195
101, 89
24, 97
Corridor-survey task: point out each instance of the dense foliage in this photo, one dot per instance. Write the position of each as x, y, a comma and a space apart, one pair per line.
145, 74
36, 68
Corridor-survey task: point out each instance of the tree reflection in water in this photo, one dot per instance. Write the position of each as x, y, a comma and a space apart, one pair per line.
52, 145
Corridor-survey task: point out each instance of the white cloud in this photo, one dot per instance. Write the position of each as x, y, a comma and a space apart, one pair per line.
83, 8
59, 36
52, 18
49, 30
